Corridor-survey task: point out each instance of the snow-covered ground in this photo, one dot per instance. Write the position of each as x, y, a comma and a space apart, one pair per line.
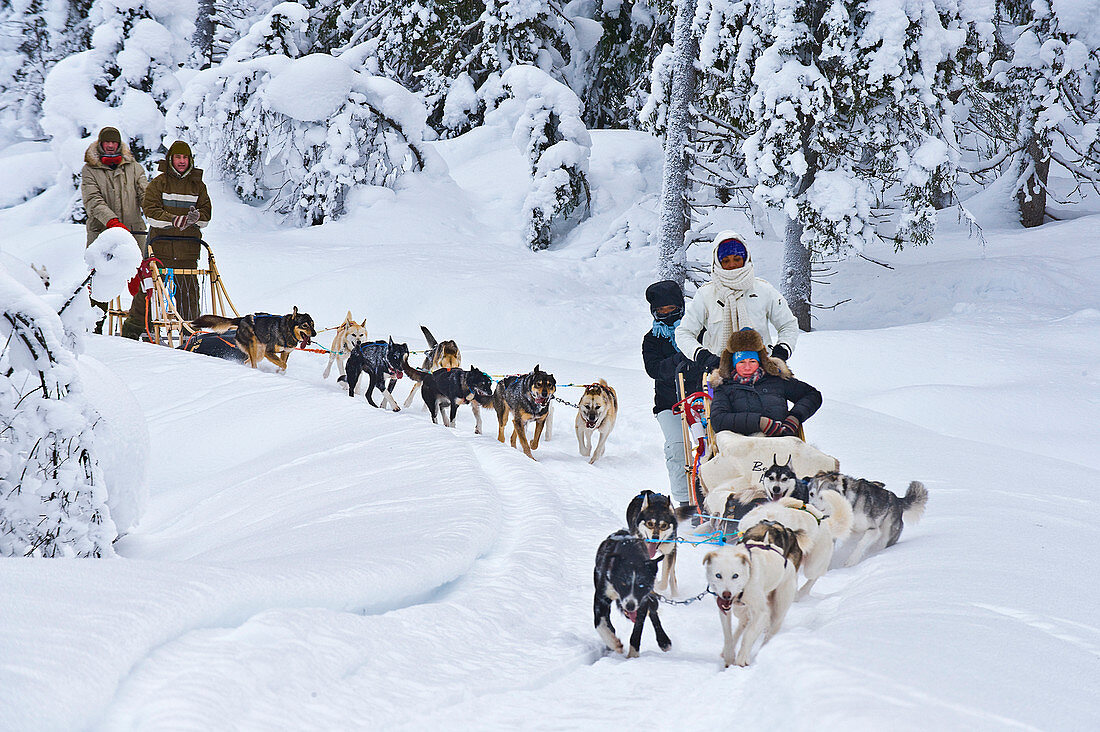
308, 562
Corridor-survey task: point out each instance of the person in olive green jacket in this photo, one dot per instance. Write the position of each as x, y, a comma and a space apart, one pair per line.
177, 207
112, 186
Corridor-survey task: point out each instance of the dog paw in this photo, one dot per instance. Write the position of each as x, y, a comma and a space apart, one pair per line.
665, 645
632, 653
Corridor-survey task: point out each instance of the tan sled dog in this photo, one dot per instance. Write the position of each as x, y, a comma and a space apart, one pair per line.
596, 412
757, 584
440, 355
349, 334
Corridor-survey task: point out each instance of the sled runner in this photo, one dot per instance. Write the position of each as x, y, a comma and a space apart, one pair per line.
164, 324
728, 460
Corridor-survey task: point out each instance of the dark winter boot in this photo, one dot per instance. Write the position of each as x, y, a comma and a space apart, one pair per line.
131, 330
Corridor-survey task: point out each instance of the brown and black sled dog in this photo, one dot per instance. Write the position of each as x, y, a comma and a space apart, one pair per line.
525, 398
262, 336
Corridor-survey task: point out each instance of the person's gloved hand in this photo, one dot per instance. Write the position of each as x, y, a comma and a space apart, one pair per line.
772, 427
780, 351
791, 425
115, 223
180, 222
706, 360
193, 216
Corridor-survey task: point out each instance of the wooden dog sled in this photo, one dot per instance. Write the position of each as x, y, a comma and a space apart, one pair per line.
731, 462
164, 324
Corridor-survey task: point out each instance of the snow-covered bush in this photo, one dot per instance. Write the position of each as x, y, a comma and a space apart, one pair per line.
300, 133
34, 35
434, 47
53, 490
553, 138
124, 80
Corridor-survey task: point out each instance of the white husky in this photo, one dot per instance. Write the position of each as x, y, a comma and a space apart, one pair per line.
816, 530
758, 585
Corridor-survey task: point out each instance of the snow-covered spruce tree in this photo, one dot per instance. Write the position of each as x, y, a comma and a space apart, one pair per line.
634, 32
231, 21
299, 133
552, 136
53, 496
434, 46
847, 114
1042, 105
34, 35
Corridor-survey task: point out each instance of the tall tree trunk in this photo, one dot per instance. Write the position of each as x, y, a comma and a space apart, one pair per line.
203, 40
675, 215
1032, 197
795, 285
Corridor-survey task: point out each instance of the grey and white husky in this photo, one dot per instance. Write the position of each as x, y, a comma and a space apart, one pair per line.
878, 515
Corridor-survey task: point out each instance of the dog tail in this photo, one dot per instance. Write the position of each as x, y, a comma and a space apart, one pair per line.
839, 520
432, 342
216, 323
912, 504
413, 372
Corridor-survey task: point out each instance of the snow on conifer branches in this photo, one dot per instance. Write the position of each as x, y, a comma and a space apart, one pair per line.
551, 134
300, 133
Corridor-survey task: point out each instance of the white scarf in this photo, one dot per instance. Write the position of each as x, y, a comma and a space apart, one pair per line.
730, 288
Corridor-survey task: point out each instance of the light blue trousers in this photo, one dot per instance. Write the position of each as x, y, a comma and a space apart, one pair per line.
674, 454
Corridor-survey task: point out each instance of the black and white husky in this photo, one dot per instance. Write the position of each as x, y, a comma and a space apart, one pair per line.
780, 480
650, 517
624, 575
878, 515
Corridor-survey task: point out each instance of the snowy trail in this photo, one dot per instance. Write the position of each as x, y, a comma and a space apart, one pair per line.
308, 562
520, 566
481, 575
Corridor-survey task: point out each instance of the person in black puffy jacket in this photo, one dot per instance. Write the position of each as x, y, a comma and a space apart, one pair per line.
663, 362
758, 393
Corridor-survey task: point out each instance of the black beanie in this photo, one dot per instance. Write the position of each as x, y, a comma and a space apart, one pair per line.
665, 292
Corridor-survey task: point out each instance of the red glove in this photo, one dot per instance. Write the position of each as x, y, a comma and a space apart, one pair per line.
180, 222
113, 223
774, 428
791, 425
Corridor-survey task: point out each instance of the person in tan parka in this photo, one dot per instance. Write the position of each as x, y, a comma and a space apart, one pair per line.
177, 206
112, 186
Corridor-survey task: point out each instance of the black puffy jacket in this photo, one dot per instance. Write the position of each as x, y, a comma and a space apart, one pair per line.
663, 362
738, 407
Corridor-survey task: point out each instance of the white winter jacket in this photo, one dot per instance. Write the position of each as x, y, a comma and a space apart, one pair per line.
765, 306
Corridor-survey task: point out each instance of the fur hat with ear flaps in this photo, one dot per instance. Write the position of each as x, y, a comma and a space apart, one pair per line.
748, 339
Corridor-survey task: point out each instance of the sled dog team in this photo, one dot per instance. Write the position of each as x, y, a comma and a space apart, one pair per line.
786, 526
791, 530
443, 384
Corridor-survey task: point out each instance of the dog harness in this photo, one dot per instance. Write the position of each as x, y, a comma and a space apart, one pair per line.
772, 547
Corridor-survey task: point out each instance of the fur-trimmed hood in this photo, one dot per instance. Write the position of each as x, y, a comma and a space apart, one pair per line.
748, 339
91, 155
